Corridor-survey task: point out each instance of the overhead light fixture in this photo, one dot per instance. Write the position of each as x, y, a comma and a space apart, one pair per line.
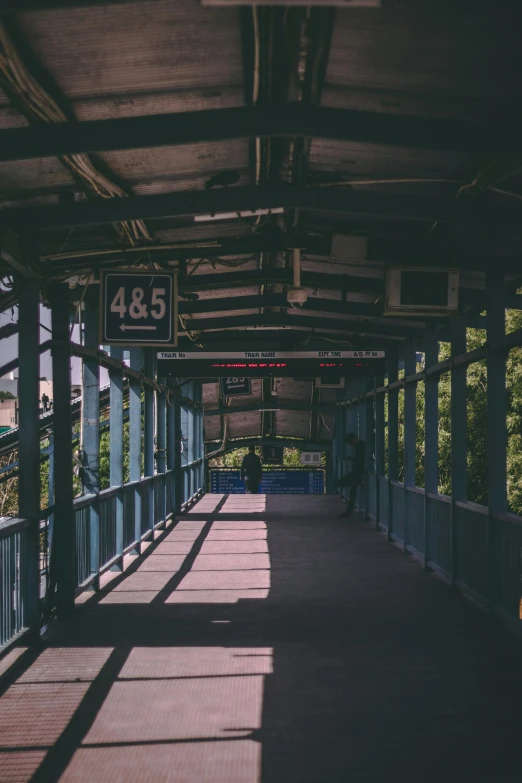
343, 3
241, 214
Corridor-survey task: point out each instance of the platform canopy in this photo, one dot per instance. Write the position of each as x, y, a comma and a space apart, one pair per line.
145, 133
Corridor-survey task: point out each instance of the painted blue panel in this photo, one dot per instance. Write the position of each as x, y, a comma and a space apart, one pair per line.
275, 482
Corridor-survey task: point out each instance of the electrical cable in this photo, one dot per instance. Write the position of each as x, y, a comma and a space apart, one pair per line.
43, 107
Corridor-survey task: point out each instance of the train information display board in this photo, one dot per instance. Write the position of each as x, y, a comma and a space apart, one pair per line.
275, 482
262, 364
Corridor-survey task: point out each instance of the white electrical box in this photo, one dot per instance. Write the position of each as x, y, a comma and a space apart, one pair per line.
310, 458
421, 291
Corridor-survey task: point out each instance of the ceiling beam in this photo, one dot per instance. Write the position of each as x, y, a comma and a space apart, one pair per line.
317, 280
418, 250
246, 122
287, 320
274, 403
291, 339
481, 213
323, 305
278, 300
202, 202
17, 6
287, 442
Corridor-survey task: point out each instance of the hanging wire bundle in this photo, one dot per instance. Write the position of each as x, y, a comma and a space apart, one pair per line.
40, 105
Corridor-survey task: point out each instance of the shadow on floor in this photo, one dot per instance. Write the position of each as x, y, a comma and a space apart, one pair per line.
297, 647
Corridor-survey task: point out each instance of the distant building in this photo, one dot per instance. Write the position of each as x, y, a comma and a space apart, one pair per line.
8, 413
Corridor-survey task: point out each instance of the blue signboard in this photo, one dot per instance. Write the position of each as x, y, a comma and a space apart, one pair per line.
275, 482
233, 387
138, 308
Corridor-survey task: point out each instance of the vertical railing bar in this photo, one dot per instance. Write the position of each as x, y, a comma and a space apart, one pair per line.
90, 440
458, 407
431, 433
410, 434
116, 450
393, 434
136, 362
148, 429
29, 437
496, 429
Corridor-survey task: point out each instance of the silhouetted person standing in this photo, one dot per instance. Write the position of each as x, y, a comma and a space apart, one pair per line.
356, 477
251, 471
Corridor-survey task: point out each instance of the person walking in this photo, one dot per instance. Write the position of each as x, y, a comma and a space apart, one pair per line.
355, 478
251, 471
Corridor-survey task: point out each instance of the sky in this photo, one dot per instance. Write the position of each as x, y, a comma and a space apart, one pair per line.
9, 347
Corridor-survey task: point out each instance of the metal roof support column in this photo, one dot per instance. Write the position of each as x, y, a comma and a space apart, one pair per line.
198, 413
496, 425
379, 445
161, 455
369, 404
185, 435
361, 433
458, 435
331, 473
116, 448
431, 434
64, 517
171, 447
50, 490
90, 438
136, 363
340, 435
191, 437
410, 433
393, 432
201, 440
29, 441
148, 437
341, 443
178, 432
335, 446
350, 426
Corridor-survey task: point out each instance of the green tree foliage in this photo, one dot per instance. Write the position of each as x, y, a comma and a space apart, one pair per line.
105, 456
6, 395
476, 408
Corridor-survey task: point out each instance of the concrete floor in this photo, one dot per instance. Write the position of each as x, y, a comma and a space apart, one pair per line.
263, 639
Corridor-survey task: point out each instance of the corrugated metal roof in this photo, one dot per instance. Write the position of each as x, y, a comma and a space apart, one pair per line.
38, 174
150, 58
188, 166
413, 47
293, 423
244, 424
361, 161
137, 49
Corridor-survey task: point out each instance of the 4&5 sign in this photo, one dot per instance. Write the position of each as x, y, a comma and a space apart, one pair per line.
138, 308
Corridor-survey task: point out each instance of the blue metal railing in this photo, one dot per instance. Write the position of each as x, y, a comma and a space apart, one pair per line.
14, 583
477, 550
15, 589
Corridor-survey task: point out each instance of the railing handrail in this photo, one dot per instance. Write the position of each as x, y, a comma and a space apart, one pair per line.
469, 505
439, 496
414, 488
10, 525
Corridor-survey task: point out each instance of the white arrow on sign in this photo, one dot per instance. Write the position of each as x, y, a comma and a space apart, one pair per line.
147, 328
